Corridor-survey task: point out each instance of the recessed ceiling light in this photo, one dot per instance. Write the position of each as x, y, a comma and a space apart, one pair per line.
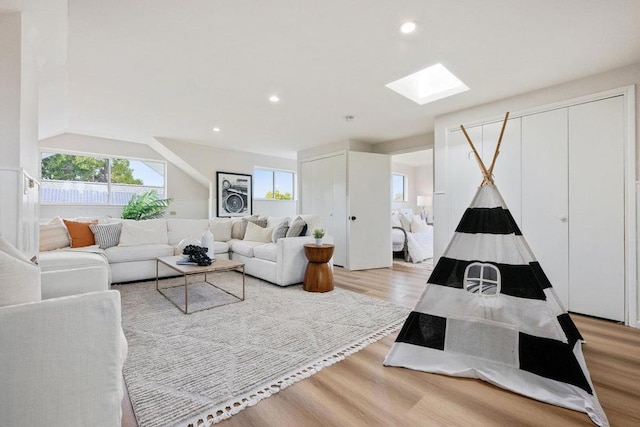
428, 85
216, 129
408, 27
274, 98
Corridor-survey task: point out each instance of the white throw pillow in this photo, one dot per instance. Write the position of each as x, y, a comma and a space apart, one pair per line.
255, 233
221, 229
19, 277
406, 222
133, 234
418, 225
54, 235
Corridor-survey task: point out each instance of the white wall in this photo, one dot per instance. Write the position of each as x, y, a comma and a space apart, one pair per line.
190, 198
209, 160
597, 83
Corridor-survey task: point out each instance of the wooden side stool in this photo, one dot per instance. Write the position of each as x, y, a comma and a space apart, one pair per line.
318, 276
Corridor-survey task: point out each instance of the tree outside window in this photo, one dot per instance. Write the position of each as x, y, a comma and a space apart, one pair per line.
85, 179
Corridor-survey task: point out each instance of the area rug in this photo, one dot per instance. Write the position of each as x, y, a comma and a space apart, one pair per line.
201, 368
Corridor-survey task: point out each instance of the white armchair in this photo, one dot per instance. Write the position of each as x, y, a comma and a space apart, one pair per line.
61, 361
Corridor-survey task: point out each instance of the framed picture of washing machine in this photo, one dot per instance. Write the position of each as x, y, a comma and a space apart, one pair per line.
235, 194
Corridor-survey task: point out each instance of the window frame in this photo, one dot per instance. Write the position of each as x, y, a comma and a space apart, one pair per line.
110, 159
405, 190
481, 279
273, 184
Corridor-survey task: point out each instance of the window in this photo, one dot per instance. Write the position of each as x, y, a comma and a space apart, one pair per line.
90, 180
399, 188
273, 184
483, 279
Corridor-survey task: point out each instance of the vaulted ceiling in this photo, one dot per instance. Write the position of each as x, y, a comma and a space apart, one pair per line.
138, 69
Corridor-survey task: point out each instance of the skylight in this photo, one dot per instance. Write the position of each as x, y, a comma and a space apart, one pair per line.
428, 85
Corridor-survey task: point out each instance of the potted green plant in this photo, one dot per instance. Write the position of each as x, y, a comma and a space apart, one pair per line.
145, 206
318, 233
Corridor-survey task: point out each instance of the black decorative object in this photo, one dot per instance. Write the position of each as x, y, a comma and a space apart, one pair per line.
197, 254
234, 194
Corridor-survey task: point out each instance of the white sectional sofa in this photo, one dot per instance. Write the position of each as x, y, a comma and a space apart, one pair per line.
282, 262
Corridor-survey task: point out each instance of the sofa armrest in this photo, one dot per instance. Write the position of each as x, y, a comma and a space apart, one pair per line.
291, 261
62, 361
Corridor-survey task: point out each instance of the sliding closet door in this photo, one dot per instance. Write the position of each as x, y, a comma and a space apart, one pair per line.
545, 194
596, 207
465, 175
506, 172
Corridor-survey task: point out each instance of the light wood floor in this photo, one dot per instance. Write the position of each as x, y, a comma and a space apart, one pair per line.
359, 391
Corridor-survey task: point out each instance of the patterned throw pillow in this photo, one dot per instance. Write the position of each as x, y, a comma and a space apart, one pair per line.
262, 222
297, 228
106, 235
280, 231
53, 235
80, 233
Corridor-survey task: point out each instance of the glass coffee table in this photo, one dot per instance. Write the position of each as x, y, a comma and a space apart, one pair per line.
219, 265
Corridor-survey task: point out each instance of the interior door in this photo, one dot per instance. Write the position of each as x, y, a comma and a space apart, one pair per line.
545, 195
596, 207
369, 225
324, 193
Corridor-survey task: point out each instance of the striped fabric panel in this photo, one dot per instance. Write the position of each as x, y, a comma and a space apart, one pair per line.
488, 221
498, 248
106, 235
424, 330
517, 280
551, 359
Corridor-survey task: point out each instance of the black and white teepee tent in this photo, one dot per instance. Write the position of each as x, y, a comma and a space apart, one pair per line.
489, 312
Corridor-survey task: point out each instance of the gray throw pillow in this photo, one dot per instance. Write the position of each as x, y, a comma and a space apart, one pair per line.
279, 232
262, 222
106, 235
297, 228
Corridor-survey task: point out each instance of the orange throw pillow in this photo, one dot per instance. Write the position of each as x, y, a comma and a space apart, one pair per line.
80, 234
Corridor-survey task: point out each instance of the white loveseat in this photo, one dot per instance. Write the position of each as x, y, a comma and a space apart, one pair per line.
282, 262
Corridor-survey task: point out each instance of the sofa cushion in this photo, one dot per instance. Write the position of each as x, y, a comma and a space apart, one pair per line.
221, 229
244, 247
178, 229
79, 233
256, 233
118, 254
69, 259
136, 233
268, 251
237, 232
106, 235
297, 228
19, 277
262, 222
54, 235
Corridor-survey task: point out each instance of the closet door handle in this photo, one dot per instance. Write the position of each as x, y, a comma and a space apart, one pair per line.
352, 218
562, 218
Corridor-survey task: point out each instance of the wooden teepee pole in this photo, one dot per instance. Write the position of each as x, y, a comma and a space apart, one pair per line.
485, 173
495, 155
